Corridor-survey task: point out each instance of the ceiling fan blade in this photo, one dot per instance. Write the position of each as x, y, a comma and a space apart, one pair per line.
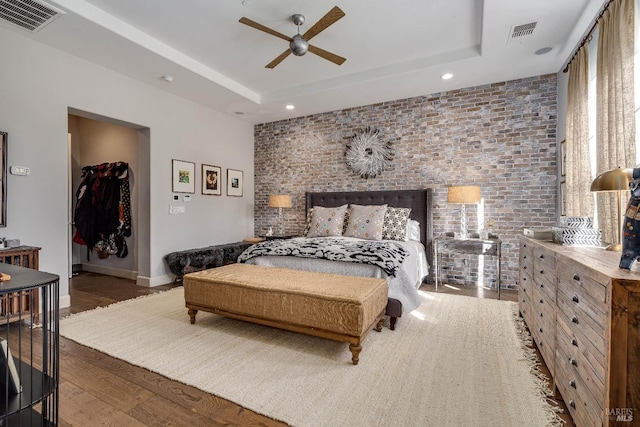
279, 59
330, 18
327, 55
254, 24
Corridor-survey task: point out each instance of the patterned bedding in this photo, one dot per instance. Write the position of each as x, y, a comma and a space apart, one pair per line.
403, 286
384, 254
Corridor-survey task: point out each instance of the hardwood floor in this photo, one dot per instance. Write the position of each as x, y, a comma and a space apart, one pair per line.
98, 390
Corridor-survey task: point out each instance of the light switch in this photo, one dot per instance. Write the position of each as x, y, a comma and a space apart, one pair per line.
175, 210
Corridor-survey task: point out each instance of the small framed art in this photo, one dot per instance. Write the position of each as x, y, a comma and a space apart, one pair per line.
211, 180
183, 176
234, 183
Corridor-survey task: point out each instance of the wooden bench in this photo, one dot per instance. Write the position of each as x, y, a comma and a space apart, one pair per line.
340, 308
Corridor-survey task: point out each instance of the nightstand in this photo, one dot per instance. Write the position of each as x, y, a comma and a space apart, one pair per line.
486, 247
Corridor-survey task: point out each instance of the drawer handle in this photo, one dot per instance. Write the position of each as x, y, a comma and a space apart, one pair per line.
574, 342
541, 315
541, 256
541, 301
573, 361
524, 257
575, 299
576, 277
572, 404
541, 284
574, 319
540, 329
541, 271
572, 383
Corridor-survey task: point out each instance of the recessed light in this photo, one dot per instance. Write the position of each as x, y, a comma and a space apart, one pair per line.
240, 113
289, 106
446, 76
167, 78
543, 50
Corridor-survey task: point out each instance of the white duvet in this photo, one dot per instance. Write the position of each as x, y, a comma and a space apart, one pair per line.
403, 287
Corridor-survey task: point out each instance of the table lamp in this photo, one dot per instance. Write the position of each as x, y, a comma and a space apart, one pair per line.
617, 180
464, 195
280, 201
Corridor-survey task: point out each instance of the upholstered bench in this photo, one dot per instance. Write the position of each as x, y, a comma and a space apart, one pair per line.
340, 308
182, 262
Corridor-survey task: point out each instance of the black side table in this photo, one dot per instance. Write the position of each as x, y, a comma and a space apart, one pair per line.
482, 247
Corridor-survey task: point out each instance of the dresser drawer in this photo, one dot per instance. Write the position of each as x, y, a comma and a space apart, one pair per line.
584, 293
544, 327
594, 330
580, 356
526, 284
526, 257
585, 409
526, 310
544, 271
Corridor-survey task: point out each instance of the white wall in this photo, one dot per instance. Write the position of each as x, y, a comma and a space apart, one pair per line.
37, 86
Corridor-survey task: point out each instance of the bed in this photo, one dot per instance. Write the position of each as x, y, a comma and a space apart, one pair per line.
403, 295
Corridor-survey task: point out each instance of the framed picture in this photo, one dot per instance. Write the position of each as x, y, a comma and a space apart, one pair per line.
211, 180
563, 158
3, 178
184, 176
234, 183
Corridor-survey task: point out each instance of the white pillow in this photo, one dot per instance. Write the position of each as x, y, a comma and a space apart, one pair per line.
413, 230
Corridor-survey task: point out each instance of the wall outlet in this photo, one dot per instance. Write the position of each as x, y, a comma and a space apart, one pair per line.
20, 170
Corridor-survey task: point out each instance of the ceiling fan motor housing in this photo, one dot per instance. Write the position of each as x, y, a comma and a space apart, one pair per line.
298, 45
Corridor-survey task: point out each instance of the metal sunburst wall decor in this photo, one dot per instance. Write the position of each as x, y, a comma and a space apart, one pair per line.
368, 154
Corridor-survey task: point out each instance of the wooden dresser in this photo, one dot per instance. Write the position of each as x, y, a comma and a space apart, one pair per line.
18, 305
583, 313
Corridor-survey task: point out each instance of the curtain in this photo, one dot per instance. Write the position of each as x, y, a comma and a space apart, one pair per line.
615, 144
579, 199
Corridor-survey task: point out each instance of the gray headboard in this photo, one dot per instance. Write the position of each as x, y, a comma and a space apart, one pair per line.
420, 202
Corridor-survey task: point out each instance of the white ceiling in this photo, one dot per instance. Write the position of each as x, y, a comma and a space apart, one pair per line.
394, 49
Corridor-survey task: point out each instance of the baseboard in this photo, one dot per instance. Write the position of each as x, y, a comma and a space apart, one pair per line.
151, 282
65, 301
110, 271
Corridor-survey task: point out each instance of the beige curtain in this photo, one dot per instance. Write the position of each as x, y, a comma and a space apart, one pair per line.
579, 199
615, 146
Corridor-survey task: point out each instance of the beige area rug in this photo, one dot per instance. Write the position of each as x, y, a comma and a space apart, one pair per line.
455, 361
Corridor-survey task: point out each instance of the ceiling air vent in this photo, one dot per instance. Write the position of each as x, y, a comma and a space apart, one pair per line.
28, 14
522, 32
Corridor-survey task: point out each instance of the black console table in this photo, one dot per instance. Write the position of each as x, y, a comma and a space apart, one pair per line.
29, 385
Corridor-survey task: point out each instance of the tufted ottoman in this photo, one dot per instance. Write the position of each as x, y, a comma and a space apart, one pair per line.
340, 308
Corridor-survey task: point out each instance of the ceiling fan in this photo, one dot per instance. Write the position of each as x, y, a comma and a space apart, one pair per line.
299, 44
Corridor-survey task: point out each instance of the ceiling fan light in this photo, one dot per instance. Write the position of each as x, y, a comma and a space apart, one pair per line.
298, 45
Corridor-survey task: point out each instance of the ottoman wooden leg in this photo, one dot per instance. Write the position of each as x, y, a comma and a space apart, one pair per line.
379, 325
192, 315
392, 325
355, 352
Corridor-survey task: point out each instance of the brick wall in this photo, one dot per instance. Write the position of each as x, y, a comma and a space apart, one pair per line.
500, 136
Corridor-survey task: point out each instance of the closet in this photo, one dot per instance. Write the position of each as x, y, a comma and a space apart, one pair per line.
103, 211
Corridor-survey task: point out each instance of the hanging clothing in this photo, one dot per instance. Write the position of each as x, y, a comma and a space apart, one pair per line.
103, 209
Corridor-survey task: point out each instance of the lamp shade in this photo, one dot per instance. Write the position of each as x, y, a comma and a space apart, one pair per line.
617, 179
464, 194
279, 201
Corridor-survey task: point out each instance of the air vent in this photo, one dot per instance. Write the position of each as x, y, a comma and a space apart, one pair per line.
522, 32
28, 14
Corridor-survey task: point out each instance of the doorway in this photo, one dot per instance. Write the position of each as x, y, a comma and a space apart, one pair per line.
96, 140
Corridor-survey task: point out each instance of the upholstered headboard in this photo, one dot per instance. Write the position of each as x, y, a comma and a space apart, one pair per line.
420, 202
